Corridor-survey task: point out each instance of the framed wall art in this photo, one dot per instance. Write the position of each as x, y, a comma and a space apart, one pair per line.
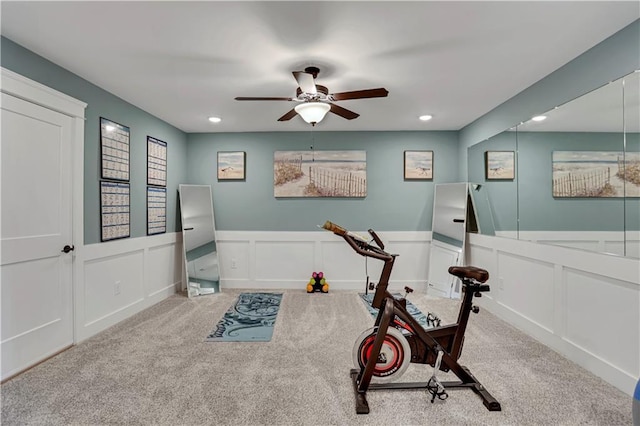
499, 165
595, 174
418, 165
231, 165
156, 162
114, 150
156, 210
320, 174
114, 210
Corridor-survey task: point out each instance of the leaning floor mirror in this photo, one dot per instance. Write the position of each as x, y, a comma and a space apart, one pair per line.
455, 212
199, 240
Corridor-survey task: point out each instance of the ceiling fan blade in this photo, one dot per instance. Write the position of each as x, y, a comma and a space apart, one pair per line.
343, 112
360, 94
289, 115
244, 98
305, 81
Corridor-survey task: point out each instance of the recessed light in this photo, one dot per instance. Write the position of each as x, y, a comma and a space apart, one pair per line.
539, 118
425, 117
215, 119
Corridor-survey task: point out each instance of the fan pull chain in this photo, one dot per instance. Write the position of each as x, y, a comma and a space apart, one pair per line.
313, 135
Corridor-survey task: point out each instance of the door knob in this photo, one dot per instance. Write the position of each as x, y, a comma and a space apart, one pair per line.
67, 248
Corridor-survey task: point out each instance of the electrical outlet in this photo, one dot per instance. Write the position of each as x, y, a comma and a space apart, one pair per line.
501, 280
116, 288
234, 264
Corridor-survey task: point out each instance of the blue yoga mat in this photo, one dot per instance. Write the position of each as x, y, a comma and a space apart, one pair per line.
426, 321
250, 319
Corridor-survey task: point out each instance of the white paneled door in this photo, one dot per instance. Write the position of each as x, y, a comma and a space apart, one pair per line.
36, 224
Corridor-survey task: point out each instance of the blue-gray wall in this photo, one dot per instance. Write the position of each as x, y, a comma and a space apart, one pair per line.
391, 204
103, 104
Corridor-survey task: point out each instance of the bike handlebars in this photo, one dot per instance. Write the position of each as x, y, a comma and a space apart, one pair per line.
359, 243
376, 238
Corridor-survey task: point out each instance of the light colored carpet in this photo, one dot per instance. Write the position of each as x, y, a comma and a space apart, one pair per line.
156, 368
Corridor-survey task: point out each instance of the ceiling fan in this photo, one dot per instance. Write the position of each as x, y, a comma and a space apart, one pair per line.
314, 100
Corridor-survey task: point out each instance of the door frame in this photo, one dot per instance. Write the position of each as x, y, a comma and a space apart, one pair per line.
29, 90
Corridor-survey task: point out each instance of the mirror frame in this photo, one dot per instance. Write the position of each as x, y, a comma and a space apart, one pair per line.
207, 260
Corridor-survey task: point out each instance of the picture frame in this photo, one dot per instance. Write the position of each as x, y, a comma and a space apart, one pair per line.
232, 165
317, 174
418, 165
156, 210
115, 207
156, 162
595, 174
114, 150
500, 165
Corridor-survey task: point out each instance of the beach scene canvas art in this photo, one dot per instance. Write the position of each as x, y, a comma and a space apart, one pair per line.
418, 165
231, 165
500, 165
320, 174
596, 174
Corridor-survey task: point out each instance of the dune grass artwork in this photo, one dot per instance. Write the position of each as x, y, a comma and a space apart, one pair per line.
596, 174
320, 174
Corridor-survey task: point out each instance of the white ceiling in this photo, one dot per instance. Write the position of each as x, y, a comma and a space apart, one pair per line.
186, 61
610, 108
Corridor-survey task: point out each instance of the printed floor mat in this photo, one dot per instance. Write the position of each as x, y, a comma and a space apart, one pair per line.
250, 319
426, 321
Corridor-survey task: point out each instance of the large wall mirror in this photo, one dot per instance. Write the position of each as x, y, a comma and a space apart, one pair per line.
501, 194
577, 173
199, 240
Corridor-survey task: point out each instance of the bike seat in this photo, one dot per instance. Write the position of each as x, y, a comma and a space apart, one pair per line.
478, 274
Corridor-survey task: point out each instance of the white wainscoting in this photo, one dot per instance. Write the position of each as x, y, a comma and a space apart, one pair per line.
618, 243
117, 279
286, 260
584, 305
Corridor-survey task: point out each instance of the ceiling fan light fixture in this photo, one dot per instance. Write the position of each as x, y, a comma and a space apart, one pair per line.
312, 112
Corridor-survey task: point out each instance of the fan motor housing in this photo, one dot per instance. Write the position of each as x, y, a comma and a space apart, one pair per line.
322, 93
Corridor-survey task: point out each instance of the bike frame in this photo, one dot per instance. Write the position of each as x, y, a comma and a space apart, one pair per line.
425, 345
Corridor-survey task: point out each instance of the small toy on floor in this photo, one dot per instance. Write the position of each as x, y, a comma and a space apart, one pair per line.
317, 283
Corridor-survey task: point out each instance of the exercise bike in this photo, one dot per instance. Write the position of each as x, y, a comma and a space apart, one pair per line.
384, 352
